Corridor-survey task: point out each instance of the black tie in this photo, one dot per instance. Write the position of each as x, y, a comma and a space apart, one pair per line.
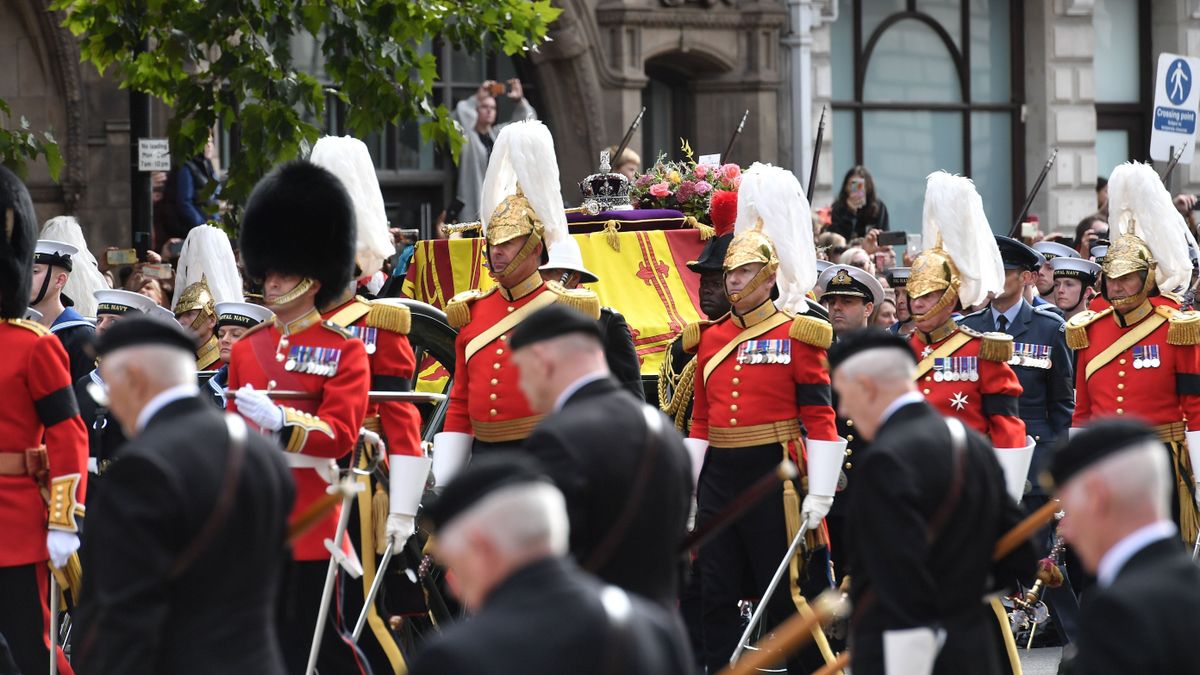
1002, 323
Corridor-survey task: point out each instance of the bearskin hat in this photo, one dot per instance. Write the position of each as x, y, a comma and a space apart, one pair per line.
16, 252
300, 220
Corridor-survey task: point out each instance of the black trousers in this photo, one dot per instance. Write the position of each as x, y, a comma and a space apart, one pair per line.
739, 562
299, 604
24, 617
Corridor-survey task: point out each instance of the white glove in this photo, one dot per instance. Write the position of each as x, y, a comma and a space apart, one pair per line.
371, 438
61, 545
911, 651
1015, 463
259, 408
451, 452
824, 465
407, 475
696, 448
814, 509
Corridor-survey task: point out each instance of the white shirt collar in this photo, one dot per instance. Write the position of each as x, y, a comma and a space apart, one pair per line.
574, 387
901, 401
1011, 314
162, 399
1117, 556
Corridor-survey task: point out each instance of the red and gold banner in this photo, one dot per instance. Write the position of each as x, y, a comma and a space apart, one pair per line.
644, 277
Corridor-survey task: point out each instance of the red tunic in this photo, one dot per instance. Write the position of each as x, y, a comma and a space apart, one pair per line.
486, 399
325, 427
392, 365
759, 389
39, 403
1151, 379
986, 402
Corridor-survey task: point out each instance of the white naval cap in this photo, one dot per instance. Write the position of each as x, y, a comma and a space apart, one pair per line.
1053, 249
850, 280
242, 314
116, 301
1075, 268
51, 252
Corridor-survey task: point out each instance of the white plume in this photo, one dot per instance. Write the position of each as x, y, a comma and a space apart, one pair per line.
954, 216
774, 194
206, 253
85, 278
1139, 204
348, 159
524, 156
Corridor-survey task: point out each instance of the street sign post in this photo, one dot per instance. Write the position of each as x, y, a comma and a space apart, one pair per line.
1176, 100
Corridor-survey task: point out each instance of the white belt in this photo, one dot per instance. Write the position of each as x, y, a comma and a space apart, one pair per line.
326, 468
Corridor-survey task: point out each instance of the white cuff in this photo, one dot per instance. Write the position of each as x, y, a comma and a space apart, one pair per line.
406, 482
696, 448
1015, 463
911, 651
1192, 438
1072, 431
94, 465
824, 465
451, 452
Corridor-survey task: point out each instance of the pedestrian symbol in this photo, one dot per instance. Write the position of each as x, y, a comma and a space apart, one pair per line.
1179, 82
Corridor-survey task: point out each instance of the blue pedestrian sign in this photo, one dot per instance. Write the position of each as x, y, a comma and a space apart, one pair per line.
1176, 101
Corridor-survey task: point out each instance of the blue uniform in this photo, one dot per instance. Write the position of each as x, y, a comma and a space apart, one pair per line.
76, 334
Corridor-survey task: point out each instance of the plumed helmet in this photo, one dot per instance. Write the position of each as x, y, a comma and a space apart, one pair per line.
300, 220
19, 228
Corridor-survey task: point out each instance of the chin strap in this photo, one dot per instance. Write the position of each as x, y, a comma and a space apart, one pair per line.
767, 271
301, 288
531, 243
45, 287
948, 297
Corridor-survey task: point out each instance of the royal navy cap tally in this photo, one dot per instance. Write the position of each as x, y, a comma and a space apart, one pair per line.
56, 253
850, 280
241, 314
898, 276
1075, 268
1052, 249
116, 301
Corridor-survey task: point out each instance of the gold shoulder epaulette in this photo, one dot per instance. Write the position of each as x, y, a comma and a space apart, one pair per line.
458, 309
1173, 297
691, 335
30, 325
336, 329
1183, 328
811, 330
390, 315
1077, 327
996, 347
580, 299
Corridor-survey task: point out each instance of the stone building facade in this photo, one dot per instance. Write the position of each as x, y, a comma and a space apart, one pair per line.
983, 87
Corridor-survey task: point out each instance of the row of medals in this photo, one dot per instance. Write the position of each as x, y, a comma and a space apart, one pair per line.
956, 369
1146, 357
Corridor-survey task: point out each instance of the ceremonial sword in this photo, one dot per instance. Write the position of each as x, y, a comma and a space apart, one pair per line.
377, 396
736, 132
812, 172
1037, 186
637, 122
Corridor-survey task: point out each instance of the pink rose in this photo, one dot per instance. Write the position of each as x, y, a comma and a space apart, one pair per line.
703, 187
701, 170
731, 171
660, 190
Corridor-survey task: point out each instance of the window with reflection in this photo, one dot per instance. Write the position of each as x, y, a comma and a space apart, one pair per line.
922, 85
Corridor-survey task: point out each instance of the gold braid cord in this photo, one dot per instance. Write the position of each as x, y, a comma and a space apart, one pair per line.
675, 391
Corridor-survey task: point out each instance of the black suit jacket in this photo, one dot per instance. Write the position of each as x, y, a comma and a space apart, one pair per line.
901, 580
218, 615
619, 352
593, 448
1145, 622
548, 618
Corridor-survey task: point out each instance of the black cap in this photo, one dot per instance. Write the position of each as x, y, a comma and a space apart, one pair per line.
1018, 256
551, 322
712, 258
1098, 441
484, 475
859, 341
145, 330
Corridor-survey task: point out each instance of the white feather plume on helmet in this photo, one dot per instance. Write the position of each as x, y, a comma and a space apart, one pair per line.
349, 159
206, 254
523, 157
85, 278
773, 195
1140, 205
954, 218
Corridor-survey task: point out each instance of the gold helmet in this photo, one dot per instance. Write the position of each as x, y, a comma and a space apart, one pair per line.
752, 246
1154, 240
521, 195
964, 262
197, 296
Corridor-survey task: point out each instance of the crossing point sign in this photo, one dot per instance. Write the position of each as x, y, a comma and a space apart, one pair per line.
1176, 97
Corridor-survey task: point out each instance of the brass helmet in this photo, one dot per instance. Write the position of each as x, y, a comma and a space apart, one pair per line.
521, 195
197, 296
1154, 239
1127, 255
751, 246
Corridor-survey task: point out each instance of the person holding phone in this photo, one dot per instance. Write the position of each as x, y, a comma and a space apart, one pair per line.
857, 209
477, 116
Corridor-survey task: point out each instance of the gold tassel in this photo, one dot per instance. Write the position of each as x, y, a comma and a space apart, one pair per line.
706, 231
1077, 337
996, 347
811, 331
610, 234
582, 300
1184, 329
379, 516
394, 318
